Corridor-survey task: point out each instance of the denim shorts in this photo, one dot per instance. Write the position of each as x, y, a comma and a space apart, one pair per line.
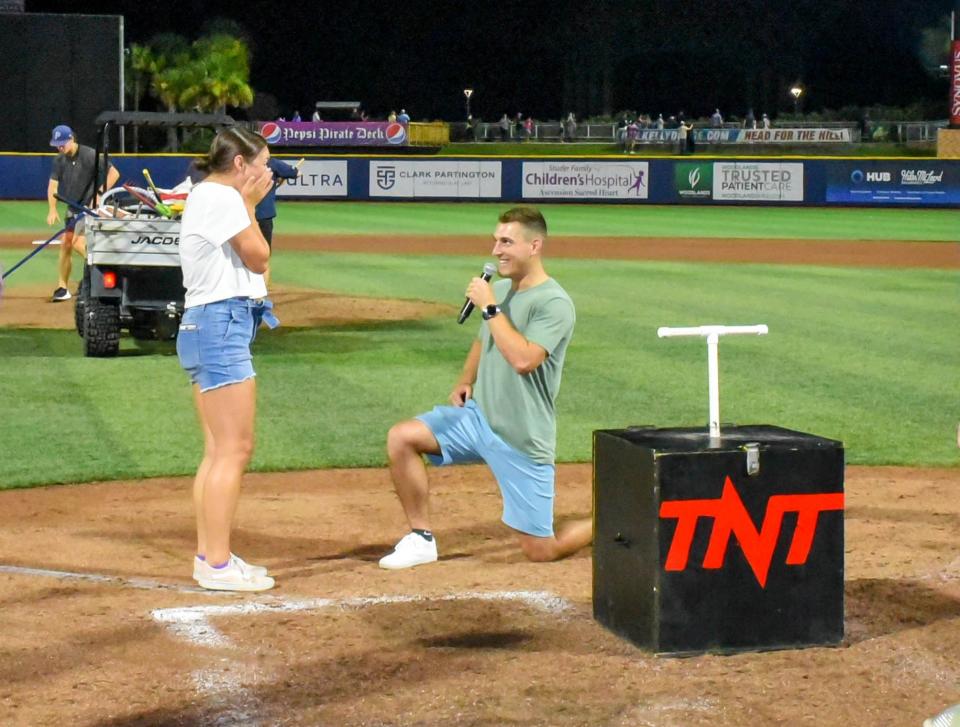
214, 339
527, 486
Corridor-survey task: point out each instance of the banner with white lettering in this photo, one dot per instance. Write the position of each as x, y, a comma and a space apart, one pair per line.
906, 183
758, 181
317, 179
334, 133
748, 136
456, 179
586, 180
793, 136
955, 83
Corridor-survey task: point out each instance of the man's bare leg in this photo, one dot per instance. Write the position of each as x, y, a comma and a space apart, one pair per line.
567, 540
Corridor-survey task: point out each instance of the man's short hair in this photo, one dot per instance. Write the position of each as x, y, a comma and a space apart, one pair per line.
529, 217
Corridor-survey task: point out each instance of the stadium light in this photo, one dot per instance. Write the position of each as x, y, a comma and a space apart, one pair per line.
796, 90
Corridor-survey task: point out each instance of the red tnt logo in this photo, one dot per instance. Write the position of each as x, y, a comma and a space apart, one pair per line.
731, 517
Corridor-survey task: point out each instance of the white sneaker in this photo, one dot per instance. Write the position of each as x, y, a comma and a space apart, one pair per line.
950, 717
412, 550
235, 576
257, 570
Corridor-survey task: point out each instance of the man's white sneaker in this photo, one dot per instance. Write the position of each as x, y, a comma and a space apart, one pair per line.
234, 576
257, 570
412, 550
950, 717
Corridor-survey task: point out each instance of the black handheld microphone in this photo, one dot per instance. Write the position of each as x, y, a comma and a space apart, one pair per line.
488, 270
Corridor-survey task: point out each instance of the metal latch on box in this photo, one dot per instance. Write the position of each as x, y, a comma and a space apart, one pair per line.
753, 457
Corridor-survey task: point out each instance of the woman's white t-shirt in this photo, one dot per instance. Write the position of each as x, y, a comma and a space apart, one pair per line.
212, 270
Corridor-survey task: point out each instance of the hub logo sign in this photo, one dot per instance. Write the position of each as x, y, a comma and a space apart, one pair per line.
627, 181
453, 180
693, 181
758, 181
326, 178
892, 183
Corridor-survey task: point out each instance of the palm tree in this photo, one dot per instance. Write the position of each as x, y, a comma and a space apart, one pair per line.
138, 70
225, 61
169, 53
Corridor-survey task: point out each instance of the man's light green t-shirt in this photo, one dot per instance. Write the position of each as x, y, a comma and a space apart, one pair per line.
520, 408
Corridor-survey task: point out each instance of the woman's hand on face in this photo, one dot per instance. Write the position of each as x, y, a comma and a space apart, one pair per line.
255, 187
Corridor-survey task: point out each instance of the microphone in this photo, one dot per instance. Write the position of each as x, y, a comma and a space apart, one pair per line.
488, 270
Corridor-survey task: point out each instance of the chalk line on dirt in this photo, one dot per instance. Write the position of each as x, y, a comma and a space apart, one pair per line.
142, 583
192, 623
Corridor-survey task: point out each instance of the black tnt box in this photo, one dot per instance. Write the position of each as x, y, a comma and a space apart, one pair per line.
727, 545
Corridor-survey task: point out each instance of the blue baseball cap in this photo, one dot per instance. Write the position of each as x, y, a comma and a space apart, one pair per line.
61, 135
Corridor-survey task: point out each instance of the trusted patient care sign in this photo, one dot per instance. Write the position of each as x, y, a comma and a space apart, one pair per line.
758, 181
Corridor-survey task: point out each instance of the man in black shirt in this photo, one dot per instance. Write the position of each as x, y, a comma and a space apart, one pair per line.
71, 177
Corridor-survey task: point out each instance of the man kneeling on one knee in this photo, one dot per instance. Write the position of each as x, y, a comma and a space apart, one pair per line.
502, 409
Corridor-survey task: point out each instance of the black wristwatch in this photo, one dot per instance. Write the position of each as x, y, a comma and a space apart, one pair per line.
490, 311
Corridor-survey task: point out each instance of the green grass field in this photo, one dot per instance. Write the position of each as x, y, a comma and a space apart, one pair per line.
395, 218
868, 356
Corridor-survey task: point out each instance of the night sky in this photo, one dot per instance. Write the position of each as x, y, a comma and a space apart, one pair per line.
547, 58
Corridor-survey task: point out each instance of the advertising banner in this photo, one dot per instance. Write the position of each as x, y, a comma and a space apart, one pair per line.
317, 179
748, 136
586, 180
907, 183
793, 136
456, 179
693, 181
955, 83
758, 181
334, 133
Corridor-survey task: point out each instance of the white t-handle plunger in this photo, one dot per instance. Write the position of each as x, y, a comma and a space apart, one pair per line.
713, 334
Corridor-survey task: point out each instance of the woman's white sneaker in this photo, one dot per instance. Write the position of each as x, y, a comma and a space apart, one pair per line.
412, 550
234, 576
257, 570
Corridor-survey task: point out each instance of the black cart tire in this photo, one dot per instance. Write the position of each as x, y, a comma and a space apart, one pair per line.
101, 331
80, 302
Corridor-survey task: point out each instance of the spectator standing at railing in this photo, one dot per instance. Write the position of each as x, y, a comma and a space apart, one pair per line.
504, 125
749, 121
570, 126
633, 131
316, 116
392, 116
518, 126
528, 128
765, 121
660, 122
296, 116
716, 121
683, 132
403, 118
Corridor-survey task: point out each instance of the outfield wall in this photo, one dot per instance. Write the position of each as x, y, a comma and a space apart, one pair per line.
626, 180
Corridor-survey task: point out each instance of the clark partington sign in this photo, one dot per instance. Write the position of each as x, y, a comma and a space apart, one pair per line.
317, 179
758, 181
460, 179
586, 180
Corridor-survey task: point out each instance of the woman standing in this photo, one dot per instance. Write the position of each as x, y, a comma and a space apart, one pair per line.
223, 256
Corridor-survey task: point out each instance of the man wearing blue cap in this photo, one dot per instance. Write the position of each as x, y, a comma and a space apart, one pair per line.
71, 177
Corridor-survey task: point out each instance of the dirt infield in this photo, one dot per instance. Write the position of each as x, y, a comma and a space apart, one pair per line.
101, 625
30, 307
861, 253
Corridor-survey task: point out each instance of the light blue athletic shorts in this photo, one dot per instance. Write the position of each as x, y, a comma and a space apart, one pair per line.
213, 342
527, 486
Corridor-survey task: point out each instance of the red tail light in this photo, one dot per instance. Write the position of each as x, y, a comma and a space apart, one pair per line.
109, 280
